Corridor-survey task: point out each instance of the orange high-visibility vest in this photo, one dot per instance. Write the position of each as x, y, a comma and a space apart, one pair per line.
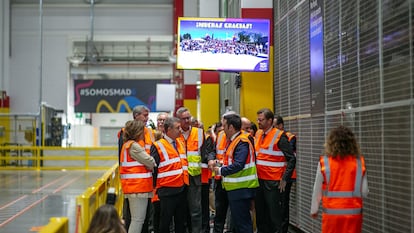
341, 196
270, 160
205, 172
135, 178
291, 136
221, 144
193, 144
148, 139
170, 169
155, 196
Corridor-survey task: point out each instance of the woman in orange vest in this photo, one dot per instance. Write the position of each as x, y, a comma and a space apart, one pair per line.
136, 168
340, 183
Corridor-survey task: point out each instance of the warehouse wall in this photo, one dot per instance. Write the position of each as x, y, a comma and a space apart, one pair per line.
60, 26
368, 86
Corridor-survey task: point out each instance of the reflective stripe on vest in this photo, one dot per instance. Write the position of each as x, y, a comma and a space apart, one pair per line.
170, 171
135, 178
148, 139
342, 211
167, 161
183, 157
141, 175
125, 162
270, 160
239, 179
270, 151
193, 156
245, 178
270, 164
220, 149
358, 178
343, 194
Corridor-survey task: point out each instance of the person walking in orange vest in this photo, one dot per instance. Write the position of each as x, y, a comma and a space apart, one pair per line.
136, 168
193, 139
279, 124
171, 175
341, 183
275, 162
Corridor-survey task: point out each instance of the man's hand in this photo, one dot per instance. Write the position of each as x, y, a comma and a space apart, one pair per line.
217, 170
282, 185
314, 215
211, 164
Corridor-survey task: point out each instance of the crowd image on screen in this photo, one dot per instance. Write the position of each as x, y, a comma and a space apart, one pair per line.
209, 44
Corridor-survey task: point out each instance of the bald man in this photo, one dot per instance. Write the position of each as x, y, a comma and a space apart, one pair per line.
246, 124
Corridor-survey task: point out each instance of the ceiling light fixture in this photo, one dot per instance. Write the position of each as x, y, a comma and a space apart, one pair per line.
75, 60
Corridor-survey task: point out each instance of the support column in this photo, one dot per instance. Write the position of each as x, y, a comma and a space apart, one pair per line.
209, 80
4, 70
257, 90
178, 75
4, 44
210, 97
200, 101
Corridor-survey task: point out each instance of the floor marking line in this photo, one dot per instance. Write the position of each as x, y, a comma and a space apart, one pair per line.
49, 184
12, 202
66, 184
22, 211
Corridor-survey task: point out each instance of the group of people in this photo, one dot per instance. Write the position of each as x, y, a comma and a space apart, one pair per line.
167, 175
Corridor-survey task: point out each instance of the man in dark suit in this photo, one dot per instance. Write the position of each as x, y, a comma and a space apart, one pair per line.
239, 173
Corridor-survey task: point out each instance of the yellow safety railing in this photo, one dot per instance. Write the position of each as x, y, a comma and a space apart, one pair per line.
55, 158
56, 225
70, 158
95, 196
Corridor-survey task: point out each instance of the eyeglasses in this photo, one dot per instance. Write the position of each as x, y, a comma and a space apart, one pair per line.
160, 119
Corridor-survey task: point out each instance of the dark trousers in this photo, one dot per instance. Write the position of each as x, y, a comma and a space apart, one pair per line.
173, 207
205, 208
156, 210
269, 214
126, 213
194, 218
240, 215
285, 207
222, 204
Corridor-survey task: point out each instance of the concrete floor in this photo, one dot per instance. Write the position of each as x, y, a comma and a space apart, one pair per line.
29, 198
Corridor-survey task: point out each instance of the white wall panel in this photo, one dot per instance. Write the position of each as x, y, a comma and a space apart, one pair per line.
60, 26
24, 74
4, 45
256, 4
191, 77
191, 8
209, 8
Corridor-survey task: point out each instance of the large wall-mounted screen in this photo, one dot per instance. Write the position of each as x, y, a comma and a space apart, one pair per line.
223, 44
